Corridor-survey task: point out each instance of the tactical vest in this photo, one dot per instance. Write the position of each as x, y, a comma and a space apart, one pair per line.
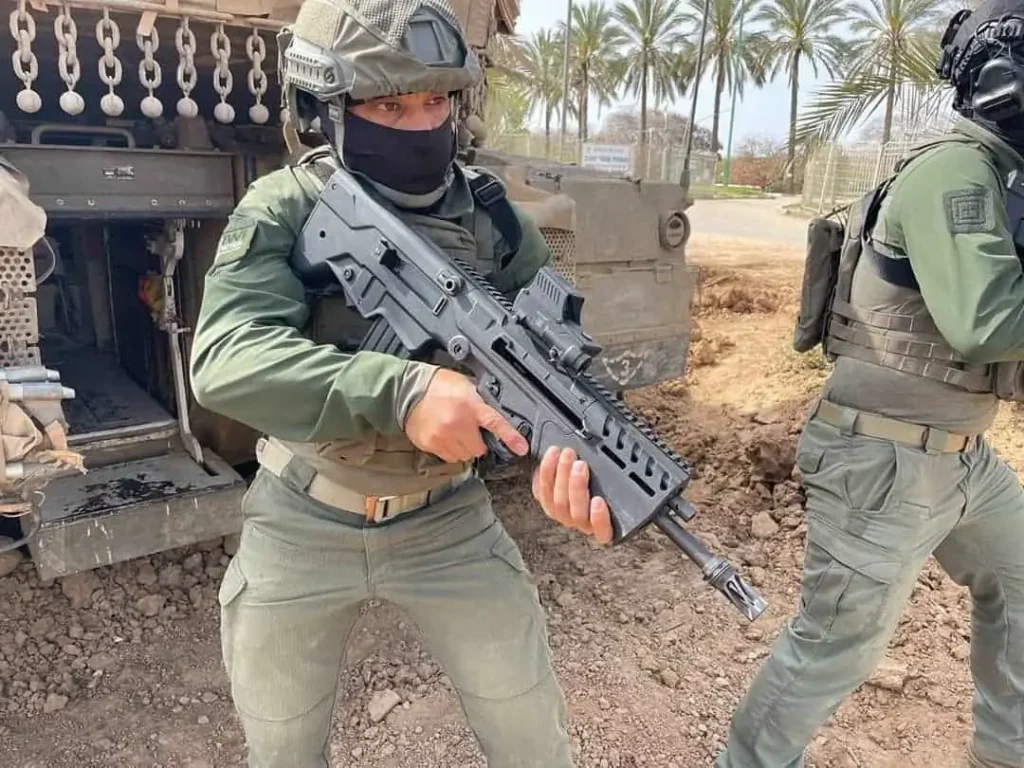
376, 459
907, 341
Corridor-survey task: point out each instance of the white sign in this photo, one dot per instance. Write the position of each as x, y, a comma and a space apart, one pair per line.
614, 158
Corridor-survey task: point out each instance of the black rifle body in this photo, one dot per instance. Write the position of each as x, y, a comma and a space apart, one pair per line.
529, 360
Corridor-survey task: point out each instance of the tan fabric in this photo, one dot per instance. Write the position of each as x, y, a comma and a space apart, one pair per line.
24, 221
33, 438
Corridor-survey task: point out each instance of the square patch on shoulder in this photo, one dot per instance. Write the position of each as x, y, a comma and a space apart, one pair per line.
969, 210
235, 240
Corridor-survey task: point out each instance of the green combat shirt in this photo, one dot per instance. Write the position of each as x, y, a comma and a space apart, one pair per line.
252, 358
946, 212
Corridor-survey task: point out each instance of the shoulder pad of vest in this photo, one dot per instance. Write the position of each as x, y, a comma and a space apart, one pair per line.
489, 193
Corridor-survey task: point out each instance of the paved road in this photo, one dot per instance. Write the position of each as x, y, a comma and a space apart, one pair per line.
757, 219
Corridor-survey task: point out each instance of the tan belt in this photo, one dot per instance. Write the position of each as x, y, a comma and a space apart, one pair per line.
872, 425
274, 457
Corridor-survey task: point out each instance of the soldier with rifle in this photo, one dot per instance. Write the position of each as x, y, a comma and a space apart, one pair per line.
367, 486
919, 300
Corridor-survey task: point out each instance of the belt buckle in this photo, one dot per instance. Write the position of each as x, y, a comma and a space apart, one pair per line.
375, 508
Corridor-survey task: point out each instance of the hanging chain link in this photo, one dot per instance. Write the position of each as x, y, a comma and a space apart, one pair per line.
223, 80
23, 30
66, 32
256, 79
108, 35
185, 42
149, 71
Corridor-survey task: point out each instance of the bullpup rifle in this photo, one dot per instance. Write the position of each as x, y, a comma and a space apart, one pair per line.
529, 359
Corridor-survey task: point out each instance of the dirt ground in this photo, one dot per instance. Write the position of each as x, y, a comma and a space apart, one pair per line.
121, 666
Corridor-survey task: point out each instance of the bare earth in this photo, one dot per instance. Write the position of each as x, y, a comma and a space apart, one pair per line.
121, 666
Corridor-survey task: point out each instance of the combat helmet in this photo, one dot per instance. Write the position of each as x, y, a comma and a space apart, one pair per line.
982, 57
338, 50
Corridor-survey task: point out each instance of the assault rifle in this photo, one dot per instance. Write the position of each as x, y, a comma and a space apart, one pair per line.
529, 359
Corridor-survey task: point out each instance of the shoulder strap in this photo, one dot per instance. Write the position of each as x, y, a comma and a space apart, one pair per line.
489, 194
319, 162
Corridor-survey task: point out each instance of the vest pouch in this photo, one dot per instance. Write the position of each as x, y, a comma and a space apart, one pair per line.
1008, 381
821, 269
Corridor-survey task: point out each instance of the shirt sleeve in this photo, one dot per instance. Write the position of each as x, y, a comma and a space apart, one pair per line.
955, 229
251, 361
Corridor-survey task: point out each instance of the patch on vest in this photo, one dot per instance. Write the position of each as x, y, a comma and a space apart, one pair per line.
969, 210
235, 240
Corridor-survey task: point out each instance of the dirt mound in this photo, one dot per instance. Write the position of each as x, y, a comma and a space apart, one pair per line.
732, 292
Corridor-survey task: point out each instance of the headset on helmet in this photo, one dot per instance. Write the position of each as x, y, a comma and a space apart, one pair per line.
989, 86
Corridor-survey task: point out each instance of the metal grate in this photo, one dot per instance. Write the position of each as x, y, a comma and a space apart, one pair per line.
562, 243
19, 322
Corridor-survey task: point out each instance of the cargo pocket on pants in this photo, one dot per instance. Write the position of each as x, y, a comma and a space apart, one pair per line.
231, 587
847, 588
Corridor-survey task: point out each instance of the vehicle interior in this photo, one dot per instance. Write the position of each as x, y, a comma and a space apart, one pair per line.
135, 205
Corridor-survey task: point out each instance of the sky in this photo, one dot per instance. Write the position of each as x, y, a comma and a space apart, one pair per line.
761, 112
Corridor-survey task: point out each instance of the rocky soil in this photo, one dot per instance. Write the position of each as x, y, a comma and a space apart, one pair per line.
121, 666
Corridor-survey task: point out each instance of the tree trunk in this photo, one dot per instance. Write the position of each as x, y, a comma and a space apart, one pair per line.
890, 100
719, 87
794, 100
643, 112
547, 131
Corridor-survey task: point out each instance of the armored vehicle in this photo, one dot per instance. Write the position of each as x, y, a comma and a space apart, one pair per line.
128, 132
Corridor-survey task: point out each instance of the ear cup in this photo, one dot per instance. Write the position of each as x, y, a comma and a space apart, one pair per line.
999, 91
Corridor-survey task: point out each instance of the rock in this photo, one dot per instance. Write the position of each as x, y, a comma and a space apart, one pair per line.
10, 560
565, 598
171, 575
150, 605
193, 563
147, 574
669, 678
757, 576
889, 675
54, 703
762, 526
231, 542
649, 664
382, 703
78, 588
101, 661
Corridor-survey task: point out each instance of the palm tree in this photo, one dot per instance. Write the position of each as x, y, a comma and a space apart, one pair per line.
892, 61
795, 30
733, 63
650, 62
595, 41
541, 72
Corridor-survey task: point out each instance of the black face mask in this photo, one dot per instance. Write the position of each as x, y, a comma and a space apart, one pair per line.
413, 162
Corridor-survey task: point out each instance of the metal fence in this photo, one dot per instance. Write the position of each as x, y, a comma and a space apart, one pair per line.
837, 174
660, 162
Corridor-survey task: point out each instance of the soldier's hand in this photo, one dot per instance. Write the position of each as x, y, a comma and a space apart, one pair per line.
561, 485
448, 418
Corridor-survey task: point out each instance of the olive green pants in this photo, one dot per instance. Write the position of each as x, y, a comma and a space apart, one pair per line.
876, 511
291, 596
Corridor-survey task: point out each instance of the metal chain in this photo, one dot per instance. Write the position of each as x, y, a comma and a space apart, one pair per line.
256, 79
108, 35
223, 80
66, 32
150, 74
185, 42
26, 65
